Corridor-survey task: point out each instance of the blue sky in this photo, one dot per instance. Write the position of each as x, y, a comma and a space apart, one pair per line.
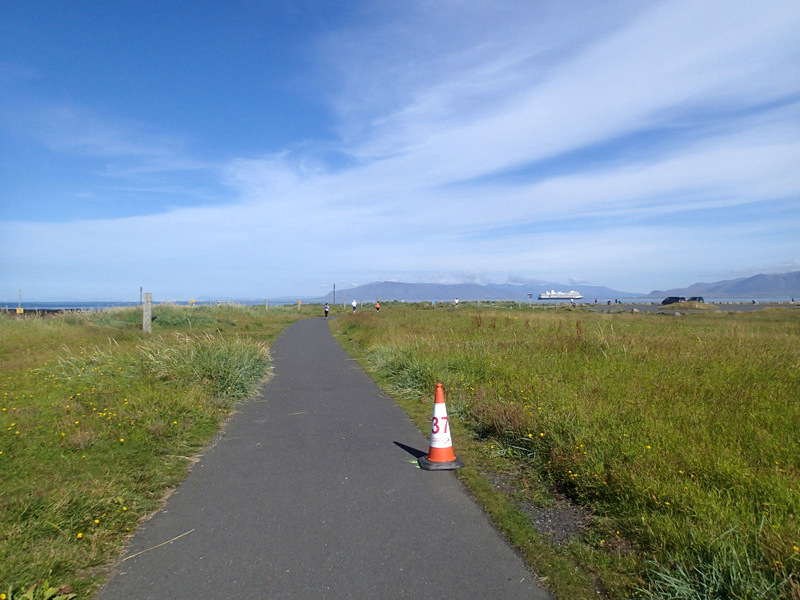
267, 148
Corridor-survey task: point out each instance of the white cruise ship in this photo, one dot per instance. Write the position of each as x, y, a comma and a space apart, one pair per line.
554, 295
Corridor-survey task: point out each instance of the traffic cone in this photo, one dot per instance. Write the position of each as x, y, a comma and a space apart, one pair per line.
440, 455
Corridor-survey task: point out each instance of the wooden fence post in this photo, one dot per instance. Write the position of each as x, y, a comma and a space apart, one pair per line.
147, 313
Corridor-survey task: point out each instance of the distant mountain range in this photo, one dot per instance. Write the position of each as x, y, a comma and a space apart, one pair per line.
758, 286
440, 292
784, 284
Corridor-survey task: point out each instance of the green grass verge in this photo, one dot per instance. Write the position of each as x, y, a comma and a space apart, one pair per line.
98, 421
679, 434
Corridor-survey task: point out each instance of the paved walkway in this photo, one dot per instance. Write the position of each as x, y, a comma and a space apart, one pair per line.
313, 491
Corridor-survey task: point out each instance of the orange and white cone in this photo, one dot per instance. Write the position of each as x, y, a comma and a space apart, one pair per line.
440, 455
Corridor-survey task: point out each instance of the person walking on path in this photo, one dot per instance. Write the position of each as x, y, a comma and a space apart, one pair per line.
377, 306
355, 304
327, 308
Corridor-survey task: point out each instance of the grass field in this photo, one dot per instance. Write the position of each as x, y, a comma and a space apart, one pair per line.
98, 421
674, 439
679, 433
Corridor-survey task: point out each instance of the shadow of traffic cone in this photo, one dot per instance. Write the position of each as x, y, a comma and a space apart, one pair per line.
440, 455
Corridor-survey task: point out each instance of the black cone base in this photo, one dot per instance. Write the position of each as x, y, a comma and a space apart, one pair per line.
430, 465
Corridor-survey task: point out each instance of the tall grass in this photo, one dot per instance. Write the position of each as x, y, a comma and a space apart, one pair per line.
225, 367
681, 430
97, 421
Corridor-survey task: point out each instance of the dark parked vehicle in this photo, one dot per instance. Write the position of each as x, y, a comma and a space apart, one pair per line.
672, 299
696, 299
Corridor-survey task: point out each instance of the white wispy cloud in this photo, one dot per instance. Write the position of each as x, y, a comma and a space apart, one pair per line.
449, 116
653, 71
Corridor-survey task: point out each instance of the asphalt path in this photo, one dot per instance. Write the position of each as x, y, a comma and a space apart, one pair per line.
313, 491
